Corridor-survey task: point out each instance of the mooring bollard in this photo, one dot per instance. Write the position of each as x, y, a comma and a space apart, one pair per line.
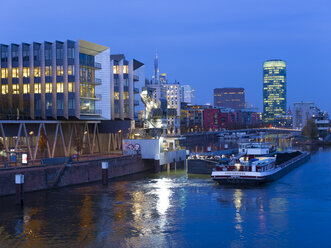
19, 181
104, 166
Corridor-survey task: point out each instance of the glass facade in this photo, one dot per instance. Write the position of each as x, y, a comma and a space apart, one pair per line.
38, 80
125, 95
274, 90
229, 98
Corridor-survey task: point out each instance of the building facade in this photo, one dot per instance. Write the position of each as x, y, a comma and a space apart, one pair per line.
122, 88
302, 111
52, 80
192, 118
274, 90
229, 98
187, 94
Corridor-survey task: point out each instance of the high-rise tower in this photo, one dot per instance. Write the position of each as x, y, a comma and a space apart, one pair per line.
156, 69
274, 89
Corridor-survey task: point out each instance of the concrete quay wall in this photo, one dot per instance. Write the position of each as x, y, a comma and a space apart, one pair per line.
52, 176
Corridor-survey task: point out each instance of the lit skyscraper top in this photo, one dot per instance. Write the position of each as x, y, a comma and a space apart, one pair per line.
274, 89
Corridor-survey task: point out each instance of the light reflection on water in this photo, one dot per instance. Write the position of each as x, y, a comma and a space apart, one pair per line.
172, 209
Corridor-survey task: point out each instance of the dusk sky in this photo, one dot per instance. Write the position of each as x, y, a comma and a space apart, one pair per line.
205, 43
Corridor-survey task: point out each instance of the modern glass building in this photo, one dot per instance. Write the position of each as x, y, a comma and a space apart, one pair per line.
229, 98
274, 90
187, 94
50, 80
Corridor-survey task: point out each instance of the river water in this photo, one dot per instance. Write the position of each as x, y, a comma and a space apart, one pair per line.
172, 209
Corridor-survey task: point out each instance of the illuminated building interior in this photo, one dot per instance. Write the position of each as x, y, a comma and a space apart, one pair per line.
274, 89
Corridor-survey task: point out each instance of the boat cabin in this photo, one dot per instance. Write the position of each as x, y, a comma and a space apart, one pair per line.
255, 148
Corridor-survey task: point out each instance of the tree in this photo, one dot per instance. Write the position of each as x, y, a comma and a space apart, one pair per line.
42, 142
310, 129
78, 144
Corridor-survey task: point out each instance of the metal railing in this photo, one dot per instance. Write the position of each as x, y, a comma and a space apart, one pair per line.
91, 111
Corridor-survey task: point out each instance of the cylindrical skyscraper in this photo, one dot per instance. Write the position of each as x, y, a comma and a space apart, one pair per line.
274, 90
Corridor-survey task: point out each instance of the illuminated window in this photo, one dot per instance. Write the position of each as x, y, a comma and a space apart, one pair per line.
59, 70
116, 69
37, 88
71, 69
26, 72
126, 95
26, 88
48, 71
48, 88
71, 86
37, 71
125, 69
15, 72
4, 72
59, 87
16, 89
117, 95
4, 89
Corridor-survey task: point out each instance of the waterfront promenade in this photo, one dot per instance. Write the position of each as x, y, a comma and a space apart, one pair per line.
86, 170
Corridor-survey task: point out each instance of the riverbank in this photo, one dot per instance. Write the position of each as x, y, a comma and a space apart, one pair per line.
54, 176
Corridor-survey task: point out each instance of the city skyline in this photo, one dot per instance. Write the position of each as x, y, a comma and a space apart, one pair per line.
230, 39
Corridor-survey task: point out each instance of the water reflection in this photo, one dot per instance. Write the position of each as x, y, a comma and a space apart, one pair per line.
163, 193
175, 211
237, 198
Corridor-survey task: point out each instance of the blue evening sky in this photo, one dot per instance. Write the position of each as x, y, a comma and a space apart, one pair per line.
205, 43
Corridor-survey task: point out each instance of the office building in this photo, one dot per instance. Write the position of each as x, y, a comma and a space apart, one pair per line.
68, 89
229, 98
156, 74
274, 90
192, 117
285, 121
302, 111
187, 94
52, 80
173, 102
163, 78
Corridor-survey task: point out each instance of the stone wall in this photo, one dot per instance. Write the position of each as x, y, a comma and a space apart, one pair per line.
47, 177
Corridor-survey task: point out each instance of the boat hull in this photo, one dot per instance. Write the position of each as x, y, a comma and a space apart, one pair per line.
246, 179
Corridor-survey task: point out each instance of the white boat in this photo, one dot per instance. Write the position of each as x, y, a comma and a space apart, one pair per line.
257, 170
255, 148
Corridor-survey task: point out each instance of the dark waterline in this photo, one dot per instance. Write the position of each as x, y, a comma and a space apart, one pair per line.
177, 210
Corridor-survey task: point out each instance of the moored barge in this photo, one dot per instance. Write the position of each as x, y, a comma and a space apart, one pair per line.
258, 170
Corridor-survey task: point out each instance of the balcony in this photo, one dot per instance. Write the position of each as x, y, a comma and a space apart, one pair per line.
136, 102
136, 90
96, 81
91, 112
92, 96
